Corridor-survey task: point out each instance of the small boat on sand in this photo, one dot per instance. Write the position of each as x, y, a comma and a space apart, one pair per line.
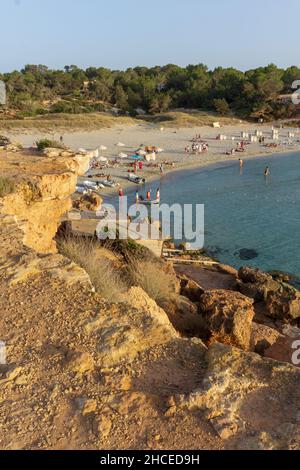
81, 190
108, 183
146, 202
136, 179
92, 185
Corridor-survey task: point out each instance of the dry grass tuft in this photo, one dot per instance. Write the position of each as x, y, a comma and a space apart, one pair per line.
7, 186
159, 284
103, 274
65, 122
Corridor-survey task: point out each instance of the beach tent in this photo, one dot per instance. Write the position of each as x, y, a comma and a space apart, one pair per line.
120, 144
216, 125
102, 148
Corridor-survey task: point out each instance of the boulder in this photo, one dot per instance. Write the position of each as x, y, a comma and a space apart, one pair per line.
191, 289
229, 317
262, 337
224, 268
244, 395
285, 349
88, 202
291, 331
284, 305
253, 276
129, 328
184, 316
80, 362
256, 284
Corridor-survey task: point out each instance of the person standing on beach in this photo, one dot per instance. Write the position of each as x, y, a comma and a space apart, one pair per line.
241, 163
137, 197
267, 171
121, 192
158, 194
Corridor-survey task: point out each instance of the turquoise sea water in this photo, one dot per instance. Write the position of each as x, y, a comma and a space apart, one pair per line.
249, 220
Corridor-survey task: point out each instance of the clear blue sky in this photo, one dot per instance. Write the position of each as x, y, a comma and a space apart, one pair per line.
124, 33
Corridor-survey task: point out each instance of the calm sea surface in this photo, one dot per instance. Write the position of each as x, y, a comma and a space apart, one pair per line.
249, 220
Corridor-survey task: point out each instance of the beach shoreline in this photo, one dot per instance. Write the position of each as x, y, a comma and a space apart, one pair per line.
173, 141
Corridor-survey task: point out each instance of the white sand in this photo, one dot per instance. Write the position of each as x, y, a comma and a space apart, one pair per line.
173, 141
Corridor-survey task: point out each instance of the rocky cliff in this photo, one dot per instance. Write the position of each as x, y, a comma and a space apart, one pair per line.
42, 194
85, 373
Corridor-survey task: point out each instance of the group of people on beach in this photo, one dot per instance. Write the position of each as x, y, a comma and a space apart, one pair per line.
198, 146
139, 198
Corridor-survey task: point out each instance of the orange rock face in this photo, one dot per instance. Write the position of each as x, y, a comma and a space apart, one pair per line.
42, 196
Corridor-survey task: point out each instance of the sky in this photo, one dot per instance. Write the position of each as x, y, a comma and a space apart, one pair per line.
125, 33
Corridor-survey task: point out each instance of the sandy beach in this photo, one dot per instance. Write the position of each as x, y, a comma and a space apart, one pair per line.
173, 142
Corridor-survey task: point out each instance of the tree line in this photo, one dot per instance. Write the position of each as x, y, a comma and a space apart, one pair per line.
36, 89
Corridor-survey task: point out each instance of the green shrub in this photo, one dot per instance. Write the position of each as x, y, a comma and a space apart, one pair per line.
47, 143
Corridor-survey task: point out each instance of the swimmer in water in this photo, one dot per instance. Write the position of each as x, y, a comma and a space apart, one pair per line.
267, 171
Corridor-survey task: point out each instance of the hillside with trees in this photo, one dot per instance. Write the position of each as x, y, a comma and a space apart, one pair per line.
259, 93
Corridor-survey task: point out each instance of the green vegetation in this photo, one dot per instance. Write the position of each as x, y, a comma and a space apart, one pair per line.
39, 91
7, 186
46, 143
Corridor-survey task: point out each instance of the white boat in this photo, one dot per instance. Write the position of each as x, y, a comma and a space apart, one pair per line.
81, 190
90, 184
108, 184
94, 185
146, 202
136, 179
